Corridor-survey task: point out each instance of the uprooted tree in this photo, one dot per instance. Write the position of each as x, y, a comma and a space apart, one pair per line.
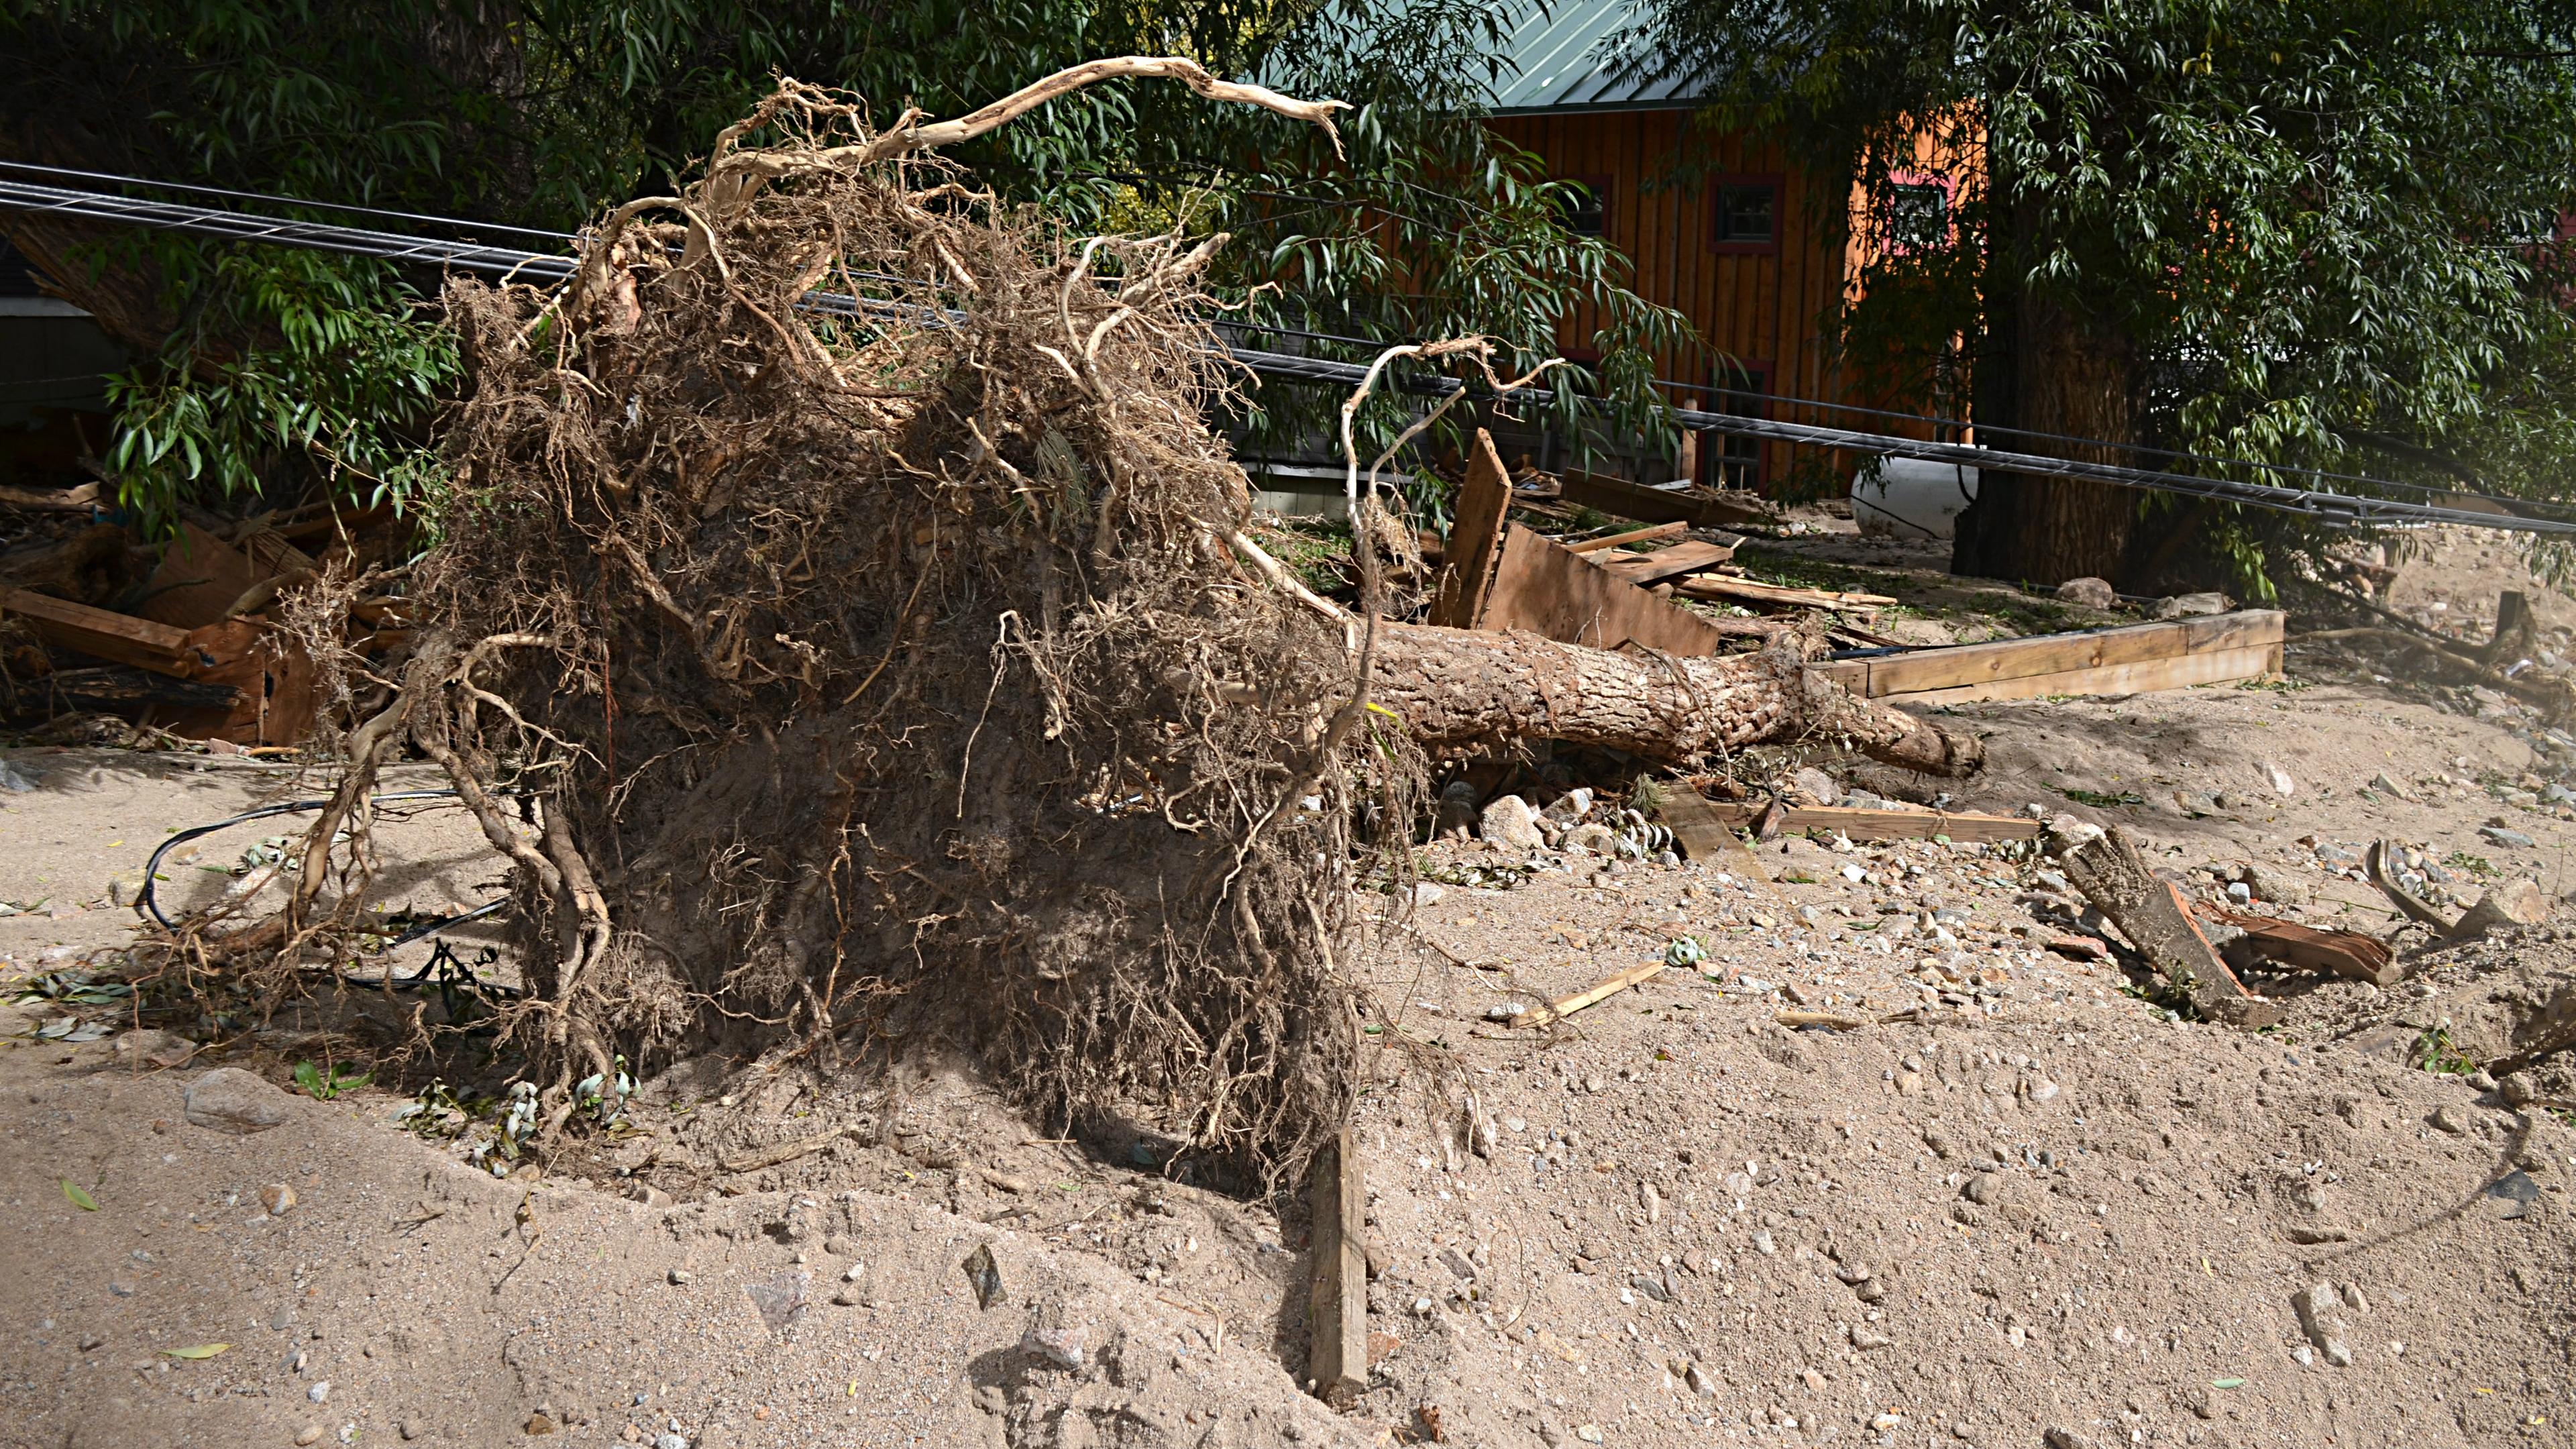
848, 587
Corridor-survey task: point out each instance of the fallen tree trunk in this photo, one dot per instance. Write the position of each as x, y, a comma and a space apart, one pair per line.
1460, 690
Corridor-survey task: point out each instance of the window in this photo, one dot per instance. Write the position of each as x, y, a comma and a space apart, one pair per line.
1745, 214
1728, 460
1586, 201
1918, 216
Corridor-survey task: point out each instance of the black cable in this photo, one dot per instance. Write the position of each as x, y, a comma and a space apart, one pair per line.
456, 223
150, 901
2333, 508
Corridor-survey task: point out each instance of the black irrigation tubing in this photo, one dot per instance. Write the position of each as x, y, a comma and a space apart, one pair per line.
152, 868
2334, 509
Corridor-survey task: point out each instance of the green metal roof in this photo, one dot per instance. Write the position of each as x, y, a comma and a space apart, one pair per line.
1562, 59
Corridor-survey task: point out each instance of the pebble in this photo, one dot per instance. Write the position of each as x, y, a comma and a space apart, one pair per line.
278, 1198
679, 1276
2509, 839
309, 1434
320, 1393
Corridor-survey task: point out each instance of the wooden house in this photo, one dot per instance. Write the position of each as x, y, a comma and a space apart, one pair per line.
1721, 229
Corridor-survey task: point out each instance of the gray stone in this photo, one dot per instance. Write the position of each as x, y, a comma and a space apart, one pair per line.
1816, 785
153, 1048
1457, 809
1593, 836
2190, 606
2509, 839
1509, 822
2090, 593
229, 1099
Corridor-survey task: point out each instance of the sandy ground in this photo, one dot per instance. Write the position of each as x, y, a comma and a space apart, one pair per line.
2024, 1205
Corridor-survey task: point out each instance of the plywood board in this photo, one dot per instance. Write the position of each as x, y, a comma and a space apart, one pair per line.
2145, 677
1541, 587
1475, 537
198, 579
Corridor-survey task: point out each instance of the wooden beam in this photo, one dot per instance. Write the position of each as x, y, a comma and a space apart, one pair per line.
1747, 591
1337, 1309
2149, 677
1475, 543
1622, 499
117, 638
1622, 540
2152, 912
1883, 824
1644, 569
2055, 663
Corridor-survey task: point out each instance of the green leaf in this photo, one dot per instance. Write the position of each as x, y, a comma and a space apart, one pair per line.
79, 1196
2227, 1383
197, 1350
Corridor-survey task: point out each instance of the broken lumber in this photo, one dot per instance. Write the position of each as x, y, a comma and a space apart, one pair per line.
1647, 569
1746, 591
1465, 691
1475, 542
1622, 540
1698, 507
111, 689
2269, 940
2133, 659
1544, 587
1564, 1007
50, 500
197, 580
117, 638
1337, 1306
2153, 914
1852, 824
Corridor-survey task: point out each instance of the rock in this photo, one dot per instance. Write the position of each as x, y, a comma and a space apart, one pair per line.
229, 1099
2090, 593
1427, 893
540, 1424
1569, 807
2279, 779
2059, 1437
2509, 839
278, 1198
2518, 1090
320, 1393
2507, 903
1508, 821
2389, 787
647, 1194
1981, 1188
1593, 836
1816, 785
1863, 1337
1652, 1201
679, 1277
668, 1440
2319, 1308
1699, 1381
1588, 1433
2190, 606
840, 1245
1651, 1287
137, 1050
1872, 1291
1457, 812
2453, 1118
309, 1434
413, 1428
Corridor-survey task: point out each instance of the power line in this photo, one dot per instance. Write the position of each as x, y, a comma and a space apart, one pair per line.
2340, 509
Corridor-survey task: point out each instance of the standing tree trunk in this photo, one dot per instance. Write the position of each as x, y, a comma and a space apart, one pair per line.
2060, 372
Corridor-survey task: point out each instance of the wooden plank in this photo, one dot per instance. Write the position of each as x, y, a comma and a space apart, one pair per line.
1747, 591
1541, 587
1697, 507
1921, 670
2147, 677
51, 500
1647, 534
1475, 537
117, 638
1883, 824
1645, 569
1566, 1006
198, 579
1337, 1308
274, 679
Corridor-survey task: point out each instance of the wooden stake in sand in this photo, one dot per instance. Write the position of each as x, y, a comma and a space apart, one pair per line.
1337, 1314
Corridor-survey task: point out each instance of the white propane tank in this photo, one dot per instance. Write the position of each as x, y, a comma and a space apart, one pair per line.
1910, 498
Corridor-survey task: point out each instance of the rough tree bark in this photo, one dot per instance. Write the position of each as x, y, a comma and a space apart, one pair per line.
1458, 690
2068, 374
